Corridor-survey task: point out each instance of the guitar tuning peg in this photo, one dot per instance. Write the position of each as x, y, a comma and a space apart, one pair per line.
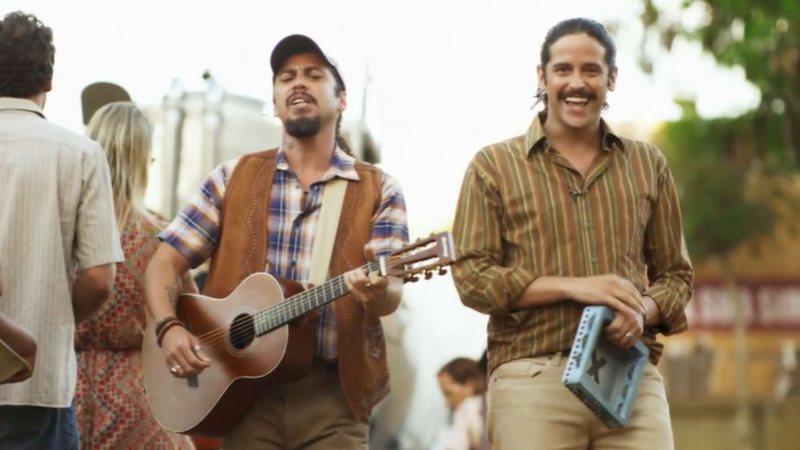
428, 274
413, 278
442, 271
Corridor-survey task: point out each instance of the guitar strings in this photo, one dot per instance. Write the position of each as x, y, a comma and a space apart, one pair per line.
243, 328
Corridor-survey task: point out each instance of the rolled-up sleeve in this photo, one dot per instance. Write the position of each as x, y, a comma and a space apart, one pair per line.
194, 232
669, 267
482, 282
390, 223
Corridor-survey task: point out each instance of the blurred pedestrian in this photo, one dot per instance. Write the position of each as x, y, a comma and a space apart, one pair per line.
463, 384
110, 402
58, 238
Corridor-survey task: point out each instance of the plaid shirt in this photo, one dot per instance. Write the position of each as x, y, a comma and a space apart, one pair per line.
293, 217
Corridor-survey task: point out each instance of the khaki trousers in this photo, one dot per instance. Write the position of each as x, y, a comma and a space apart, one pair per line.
530, 409
310, 413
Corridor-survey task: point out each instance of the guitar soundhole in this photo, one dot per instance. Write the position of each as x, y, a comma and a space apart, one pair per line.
242, 331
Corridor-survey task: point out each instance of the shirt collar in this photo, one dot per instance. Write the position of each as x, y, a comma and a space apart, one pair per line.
20, 104
536, 139
342, 165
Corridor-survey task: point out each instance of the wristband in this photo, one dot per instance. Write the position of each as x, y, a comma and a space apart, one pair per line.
644, 315
160, 324
166, 327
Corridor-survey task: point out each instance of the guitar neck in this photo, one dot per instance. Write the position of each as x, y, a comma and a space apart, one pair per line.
295, 306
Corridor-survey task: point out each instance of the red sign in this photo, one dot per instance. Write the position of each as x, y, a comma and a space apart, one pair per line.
766, 305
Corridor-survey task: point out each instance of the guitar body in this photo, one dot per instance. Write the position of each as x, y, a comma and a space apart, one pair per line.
242, 362
214, 401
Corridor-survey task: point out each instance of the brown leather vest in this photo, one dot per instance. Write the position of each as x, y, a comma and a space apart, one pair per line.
242, 250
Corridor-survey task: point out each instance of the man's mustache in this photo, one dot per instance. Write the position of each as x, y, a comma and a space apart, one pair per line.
579, 93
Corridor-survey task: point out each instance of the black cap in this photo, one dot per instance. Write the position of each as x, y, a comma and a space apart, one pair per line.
296, 44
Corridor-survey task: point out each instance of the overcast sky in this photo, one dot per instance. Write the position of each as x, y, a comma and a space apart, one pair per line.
447, 77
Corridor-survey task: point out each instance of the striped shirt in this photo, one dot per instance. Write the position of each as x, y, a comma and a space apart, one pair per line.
56, 218
525, 212
293, 217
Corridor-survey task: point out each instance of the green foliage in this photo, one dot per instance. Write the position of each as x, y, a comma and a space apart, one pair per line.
720, 210
763, 38
722, 165
750, 139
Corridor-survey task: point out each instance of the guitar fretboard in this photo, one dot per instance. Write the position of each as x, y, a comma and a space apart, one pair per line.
295, 306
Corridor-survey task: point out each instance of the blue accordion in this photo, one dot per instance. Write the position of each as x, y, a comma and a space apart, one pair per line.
603, 376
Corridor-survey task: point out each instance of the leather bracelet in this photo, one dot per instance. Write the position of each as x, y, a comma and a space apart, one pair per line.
644, 316
166, 327
163, 322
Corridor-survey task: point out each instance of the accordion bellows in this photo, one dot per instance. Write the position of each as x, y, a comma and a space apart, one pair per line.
603, 376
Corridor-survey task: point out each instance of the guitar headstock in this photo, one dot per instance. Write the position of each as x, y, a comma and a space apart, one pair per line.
424, 257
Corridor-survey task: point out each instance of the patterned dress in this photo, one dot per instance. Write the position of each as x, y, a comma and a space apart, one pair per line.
110, 402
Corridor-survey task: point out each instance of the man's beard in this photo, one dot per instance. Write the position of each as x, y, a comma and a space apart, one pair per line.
303, 127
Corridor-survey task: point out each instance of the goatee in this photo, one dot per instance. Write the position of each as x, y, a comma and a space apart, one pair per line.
304, 127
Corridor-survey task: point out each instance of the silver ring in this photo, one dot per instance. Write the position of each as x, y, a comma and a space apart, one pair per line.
175, 369
628, 335
369, 284
197, 348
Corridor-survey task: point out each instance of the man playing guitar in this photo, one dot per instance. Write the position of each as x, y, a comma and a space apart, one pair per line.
260, 213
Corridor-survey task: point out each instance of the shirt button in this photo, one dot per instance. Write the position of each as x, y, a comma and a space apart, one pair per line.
589, 224
594, 260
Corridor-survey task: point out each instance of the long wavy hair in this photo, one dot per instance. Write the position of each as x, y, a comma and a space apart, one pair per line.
126, 137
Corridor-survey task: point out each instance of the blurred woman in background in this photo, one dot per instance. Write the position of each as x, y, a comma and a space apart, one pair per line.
110, 401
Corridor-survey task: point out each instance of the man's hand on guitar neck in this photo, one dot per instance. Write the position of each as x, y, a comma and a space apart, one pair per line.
183, 352
379, 295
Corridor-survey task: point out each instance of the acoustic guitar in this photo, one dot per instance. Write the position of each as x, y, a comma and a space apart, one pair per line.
262, 333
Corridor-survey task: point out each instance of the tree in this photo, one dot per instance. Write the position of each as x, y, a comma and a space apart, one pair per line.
732, 171
726, 198
725, 203
763, 38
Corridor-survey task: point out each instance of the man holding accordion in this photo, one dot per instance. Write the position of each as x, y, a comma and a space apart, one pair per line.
569, 215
